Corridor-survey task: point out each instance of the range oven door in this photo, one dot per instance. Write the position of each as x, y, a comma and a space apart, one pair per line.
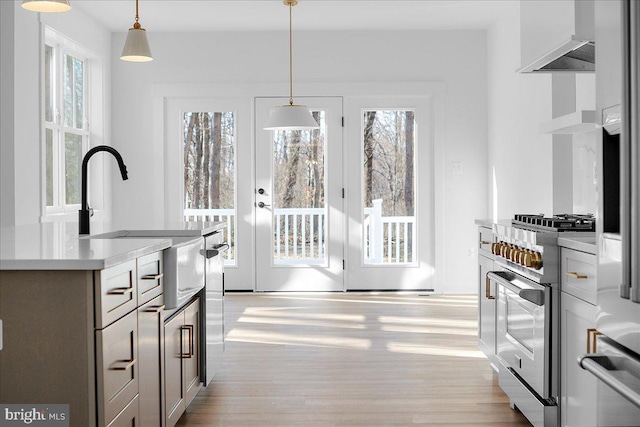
523, 330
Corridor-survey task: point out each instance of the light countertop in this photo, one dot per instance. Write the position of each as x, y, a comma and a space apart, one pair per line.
583, 244
57, 246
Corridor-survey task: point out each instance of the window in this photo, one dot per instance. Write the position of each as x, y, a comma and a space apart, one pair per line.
388, 141
209, 171
66, 124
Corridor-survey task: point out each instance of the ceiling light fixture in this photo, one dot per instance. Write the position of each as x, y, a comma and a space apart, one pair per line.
46, 6
136, 47
291, 116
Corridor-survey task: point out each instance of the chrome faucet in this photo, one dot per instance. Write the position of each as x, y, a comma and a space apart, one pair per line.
85, 213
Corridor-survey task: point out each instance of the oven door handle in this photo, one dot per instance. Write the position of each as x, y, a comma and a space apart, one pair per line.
535, 296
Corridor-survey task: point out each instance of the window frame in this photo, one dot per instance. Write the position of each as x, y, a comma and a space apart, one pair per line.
61, 46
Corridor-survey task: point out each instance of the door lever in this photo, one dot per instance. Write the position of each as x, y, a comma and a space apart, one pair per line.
262, 205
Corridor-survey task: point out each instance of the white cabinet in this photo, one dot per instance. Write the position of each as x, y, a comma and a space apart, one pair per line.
486, 297
578, 387
182, 361
578, 406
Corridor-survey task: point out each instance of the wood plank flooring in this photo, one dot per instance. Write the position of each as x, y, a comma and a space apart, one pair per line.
336, 360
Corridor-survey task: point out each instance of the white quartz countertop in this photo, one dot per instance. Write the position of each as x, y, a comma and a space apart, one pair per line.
57, 246
583, 244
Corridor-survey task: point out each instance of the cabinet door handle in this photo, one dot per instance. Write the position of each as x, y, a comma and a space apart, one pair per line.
592, 346
189, 329
155, 309
576, 275
123, 365
152, 276
484, 242
487, 289
120, 291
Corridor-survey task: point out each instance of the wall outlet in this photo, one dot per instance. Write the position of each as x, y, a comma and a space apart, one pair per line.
456, 168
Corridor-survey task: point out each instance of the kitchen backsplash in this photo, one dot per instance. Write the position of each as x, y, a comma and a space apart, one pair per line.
584, 173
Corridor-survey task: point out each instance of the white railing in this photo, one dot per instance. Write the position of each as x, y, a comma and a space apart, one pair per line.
300, 235
225, 215
388, 239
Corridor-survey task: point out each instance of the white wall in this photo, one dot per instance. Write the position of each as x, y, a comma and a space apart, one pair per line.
21, 167
457, 58
520, 156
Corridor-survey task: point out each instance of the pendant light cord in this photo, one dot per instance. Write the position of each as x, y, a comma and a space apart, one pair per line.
137, 17
290, 56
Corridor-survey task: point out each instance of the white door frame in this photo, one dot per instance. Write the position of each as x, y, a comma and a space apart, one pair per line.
420, 274
328, 276
164, 92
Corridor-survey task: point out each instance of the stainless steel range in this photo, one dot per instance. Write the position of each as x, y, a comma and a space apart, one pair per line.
527, 309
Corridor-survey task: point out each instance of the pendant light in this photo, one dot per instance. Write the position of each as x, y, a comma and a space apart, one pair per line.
291, 116
136, 47
46, 6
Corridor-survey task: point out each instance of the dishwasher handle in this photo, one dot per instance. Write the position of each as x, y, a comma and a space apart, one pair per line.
602, 367
211, 253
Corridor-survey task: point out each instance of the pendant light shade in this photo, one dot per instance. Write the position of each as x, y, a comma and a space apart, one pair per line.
291, 117
46, 6
136, 47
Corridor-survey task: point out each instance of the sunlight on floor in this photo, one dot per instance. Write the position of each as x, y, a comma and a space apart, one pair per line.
399, 347
308, 324
266, 337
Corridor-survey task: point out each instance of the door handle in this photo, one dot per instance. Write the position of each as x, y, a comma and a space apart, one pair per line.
262, 205
488, 288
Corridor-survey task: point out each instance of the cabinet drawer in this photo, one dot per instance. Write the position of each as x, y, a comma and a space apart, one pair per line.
485, 239
150, 277
578, 274
116, 293
128, 417
117, 366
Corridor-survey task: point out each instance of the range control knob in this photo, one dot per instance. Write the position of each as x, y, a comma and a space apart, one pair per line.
533, 260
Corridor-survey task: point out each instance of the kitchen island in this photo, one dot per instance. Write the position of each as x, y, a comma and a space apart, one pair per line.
84, 323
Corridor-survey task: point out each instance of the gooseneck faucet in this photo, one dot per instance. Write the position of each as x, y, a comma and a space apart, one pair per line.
84, 213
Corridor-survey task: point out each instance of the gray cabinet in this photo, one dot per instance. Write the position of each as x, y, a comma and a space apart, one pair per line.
486, 297
84, 337
182, 361
151, 351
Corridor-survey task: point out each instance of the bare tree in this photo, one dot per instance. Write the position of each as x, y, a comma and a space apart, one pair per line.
206, 141
369, 141
408, 172
197, 193
215, 164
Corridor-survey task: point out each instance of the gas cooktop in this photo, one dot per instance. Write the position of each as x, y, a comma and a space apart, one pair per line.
560, 222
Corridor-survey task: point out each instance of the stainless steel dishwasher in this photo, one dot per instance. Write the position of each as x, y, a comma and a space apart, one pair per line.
213, 302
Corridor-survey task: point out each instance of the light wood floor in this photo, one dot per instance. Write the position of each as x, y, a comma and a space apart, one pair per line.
352, 360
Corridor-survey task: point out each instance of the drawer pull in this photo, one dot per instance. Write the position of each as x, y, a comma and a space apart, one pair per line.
120, 291
576, 275
123, 365
188, 328
155, 309
487, 289
484, 242
592, 336
152, 276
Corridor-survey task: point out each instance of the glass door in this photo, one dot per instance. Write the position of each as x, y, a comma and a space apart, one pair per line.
299, 201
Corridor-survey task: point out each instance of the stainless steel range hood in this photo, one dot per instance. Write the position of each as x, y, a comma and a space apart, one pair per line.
575, 55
